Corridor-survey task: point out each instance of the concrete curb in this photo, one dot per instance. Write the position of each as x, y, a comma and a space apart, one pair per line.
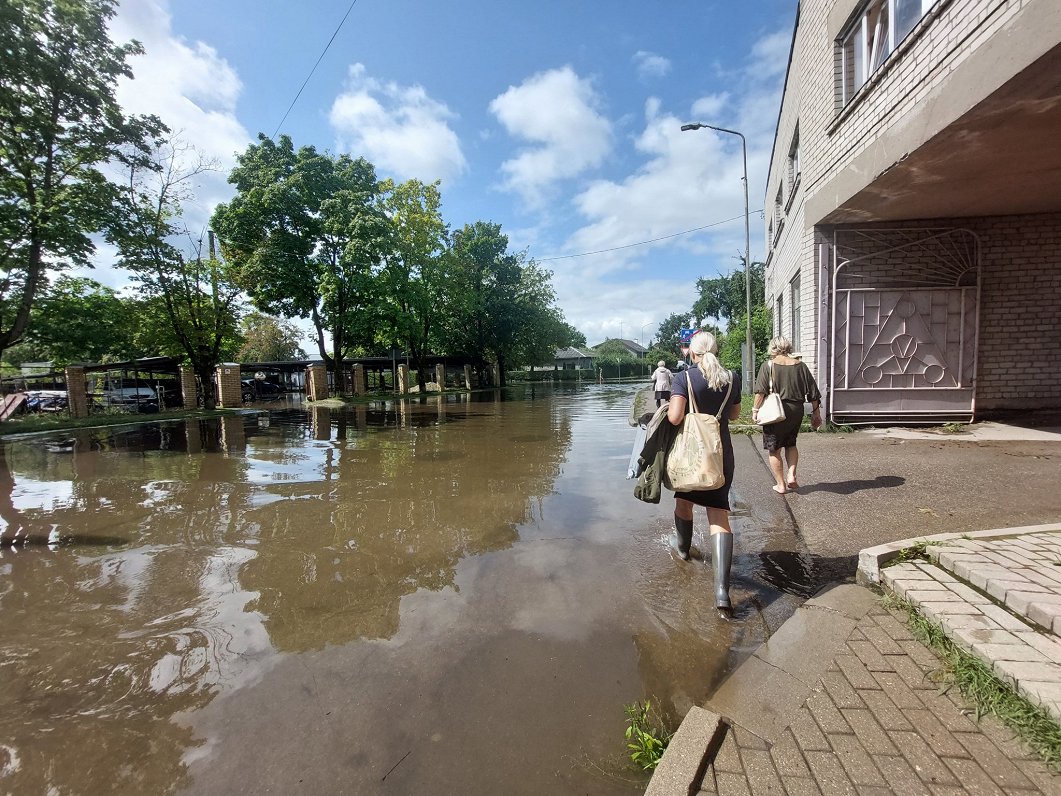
683, 765
872, 559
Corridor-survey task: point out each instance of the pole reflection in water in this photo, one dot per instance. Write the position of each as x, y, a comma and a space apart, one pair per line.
453, 593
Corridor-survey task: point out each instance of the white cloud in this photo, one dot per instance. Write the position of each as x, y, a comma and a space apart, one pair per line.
649, 65
555, 112
402, 130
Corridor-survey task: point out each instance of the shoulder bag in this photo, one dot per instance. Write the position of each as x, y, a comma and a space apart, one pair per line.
695, 457
772, 410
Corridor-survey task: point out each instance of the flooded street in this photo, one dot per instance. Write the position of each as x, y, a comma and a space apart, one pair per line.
451, 594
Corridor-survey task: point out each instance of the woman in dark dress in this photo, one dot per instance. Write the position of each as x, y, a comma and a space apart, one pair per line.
793, 381
709, 381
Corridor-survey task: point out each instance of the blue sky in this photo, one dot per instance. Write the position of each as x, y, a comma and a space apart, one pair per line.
557, 119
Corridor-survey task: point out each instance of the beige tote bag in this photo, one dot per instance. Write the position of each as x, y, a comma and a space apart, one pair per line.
695, 457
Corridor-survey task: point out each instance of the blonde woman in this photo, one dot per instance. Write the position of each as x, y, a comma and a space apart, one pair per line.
793, 381
709, 382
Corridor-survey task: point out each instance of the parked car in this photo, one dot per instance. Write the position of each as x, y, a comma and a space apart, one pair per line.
133, 399
46, 400
260, 390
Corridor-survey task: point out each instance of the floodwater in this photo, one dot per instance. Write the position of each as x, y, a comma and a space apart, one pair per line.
453, 594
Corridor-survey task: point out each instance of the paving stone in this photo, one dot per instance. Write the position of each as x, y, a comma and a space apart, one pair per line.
840, 689
921, 655
947, 790
897, 690
788, 760
809, 736
951, 713
871, 657
873, 790
802, 786
731, 785
1001, 770
1005, 619
980, 576
882, 641
901, 776
941, 595
979, 621
760, 772
826, 713
1044, 614
856, 672
856, 761
869, 731
829, 773
1021, 601
1028, 671
939, 608
973, 778
912, 674
968, 594
935, 734
746, 739
727, 759
894, 628
969, 637
885, 711
1009, 652
922, 759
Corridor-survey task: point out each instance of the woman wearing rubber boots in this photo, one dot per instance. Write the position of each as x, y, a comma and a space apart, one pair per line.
711, 383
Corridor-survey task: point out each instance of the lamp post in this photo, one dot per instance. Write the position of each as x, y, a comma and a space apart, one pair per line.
750, 375
641, 334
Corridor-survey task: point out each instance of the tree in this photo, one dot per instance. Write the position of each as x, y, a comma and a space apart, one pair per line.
199, 299
308, 237
668, 334
59, 121
730, 345
572, 337
79, 320
269, 339
415, 275
725, 297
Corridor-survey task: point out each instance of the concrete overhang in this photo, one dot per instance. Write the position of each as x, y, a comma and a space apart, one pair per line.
1002, 156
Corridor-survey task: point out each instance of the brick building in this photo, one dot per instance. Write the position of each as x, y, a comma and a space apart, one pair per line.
914, 206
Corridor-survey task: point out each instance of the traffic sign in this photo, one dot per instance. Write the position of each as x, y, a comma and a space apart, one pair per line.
685, 350
687, 334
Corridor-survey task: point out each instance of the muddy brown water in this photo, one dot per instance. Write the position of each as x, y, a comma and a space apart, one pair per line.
455, 594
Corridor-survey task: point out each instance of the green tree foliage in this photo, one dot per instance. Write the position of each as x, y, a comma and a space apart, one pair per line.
269, 339
724, 297
414, 277
199, 300
612, 351
573, 337
79, 320
308, 237
729, 351
59, 121
668, 335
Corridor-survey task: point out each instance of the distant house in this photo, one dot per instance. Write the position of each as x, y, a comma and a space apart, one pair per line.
573, 359
636, 349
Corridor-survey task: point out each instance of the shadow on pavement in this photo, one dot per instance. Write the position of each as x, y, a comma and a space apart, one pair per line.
850, 487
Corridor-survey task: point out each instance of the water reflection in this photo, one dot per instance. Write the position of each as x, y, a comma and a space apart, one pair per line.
186, 556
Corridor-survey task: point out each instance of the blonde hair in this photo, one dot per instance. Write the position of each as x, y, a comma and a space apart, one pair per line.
704, 347
661, 364
780, 345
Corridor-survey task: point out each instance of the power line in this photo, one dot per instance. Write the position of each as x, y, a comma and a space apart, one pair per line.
642, 242
314, 69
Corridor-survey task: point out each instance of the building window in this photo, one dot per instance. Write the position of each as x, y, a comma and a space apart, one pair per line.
793, 164
779, 208
795, 302
780, 313
868, 40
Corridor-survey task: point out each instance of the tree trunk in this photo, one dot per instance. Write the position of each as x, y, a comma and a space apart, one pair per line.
206, 384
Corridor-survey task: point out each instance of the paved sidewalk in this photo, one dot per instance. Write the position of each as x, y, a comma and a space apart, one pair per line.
843, 699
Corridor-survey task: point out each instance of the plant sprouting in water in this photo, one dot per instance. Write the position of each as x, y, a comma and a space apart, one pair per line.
645, 737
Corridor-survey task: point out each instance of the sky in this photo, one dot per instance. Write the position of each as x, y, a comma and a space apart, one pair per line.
559, 120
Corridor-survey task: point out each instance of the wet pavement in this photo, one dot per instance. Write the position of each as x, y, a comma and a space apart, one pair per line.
842, 698
450, 594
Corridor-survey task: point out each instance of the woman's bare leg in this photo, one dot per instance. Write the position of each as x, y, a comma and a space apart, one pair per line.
777, 469
792, 459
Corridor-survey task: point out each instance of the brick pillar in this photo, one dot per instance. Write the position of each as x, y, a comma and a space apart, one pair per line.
440, 376
233, 437
357, 375
229, 392
321, 422
76, 395
402, 386
316, 382
194, 436
467, 377
189, 388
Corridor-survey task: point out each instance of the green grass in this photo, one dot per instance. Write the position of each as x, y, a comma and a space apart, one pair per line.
646, 739
989, 695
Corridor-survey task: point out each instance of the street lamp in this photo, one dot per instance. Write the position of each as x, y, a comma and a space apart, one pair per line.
750, 375
641, 335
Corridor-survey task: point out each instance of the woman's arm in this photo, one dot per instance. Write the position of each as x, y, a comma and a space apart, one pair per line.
676, 409
734, 411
